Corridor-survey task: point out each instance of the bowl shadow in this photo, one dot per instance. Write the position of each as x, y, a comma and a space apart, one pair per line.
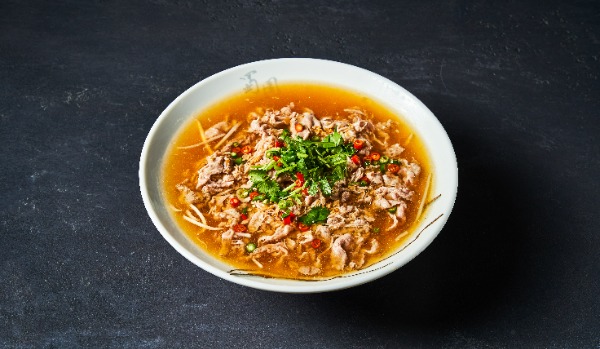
469, 269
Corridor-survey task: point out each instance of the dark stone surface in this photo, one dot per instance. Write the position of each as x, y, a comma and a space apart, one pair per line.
514, 83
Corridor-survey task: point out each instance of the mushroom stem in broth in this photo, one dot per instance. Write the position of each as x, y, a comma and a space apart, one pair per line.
304, 181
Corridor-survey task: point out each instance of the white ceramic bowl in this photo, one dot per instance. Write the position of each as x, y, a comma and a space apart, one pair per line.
261, 74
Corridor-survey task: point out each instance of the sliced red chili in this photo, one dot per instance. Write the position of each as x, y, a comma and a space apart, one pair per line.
287, 220
300, 180
276, 158
236, 150
358, 144
316, 243
303, 227
243, 216
305, 192
375, 156
247, 149
393, 168
364, 181
253, 194
279, 144
235, 202
355, 159
240, 228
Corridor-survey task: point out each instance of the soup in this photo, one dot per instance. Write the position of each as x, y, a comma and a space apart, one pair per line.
302, 181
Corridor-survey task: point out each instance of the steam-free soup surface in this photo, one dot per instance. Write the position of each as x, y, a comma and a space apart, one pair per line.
302, 181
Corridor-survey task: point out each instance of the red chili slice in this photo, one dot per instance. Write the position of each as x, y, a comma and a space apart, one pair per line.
316, 243
355, 159
239, 228
300, 180
287, 220
358, 144
235, 202
247, 149
393, 168
303, 227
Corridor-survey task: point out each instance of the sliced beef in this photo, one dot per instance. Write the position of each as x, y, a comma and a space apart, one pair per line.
339, 254
217, 164
362, 126
189, 195
394, 151
410, 173
280, 233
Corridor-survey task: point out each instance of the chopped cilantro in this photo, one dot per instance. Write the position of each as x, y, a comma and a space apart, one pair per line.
317, 214
321, 162
325, 187
257, 175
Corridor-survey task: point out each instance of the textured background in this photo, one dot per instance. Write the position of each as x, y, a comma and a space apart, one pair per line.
515, 84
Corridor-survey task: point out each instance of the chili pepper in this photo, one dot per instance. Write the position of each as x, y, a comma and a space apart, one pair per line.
375, 156
358, 144
240, 228
355, 159
364, 181
316, 243
287, 220
303, 227
247, 149
299, 180
235, 202
393, 168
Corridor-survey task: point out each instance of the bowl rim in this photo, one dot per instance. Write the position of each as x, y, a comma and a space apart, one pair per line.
299, 286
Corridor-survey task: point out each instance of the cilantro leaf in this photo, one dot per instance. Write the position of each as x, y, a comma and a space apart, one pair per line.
269, 188
317, 214
257, 175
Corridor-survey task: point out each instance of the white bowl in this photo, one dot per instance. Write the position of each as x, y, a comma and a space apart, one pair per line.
259, 75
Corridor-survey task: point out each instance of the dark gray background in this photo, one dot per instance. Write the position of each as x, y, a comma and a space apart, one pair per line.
514, 83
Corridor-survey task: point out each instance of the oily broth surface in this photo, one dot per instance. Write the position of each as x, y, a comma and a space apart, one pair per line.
324, 101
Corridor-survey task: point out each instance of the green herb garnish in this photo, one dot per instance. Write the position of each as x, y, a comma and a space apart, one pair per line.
317, 214
321, 162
